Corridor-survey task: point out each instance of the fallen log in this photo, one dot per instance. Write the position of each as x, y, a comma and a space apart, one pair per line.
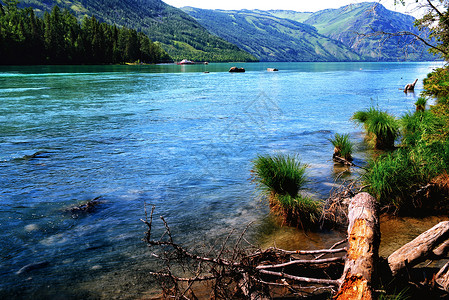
431, 244
362, 256
410, 86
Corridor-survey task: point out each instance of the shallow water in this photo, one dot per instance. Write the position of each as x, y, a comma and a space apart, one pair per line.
167, 135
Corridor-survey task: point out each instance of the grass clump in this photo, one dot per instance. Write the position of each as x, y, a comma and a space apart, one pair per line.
391, 178
342, 146
382, 128
397, 178
281, 177
421, 104
281, 174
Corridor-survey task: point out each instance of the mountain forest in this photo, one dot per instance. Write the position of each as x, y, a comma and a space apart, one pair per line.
58, 38
152, 31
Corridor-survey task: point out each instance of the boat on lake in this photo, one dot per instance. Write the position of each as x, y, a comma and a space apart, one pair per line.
186, 62
236, 70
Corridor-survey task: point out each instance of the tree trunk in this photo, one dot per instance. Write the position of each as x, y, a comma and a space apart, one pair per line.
431, 244
363, 252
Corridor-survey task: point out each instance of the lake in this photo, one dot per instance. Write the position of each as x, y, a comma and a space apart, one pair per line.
181, 138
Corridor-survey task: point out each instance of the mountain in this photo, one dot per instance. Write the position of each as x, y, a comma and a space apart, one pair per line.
348, 23
271, 38
327, 35
180, 35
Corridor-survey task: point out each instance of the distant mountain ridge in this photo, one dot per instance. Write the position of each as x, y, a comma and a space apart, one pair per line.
332, 34
270, 38
180, 35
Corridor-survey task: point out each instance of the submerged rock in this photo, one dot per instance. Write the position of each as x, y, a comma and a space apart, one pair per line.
33, 266
88, 207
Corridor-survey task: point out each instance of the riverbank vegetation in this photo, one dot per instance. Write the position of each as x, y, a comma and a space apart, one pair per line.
382, 129
342, 147
58, 38
281, 178
413, 179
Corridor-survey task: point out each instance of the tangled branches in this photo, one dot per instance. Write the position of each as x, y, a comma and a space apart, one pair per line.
242, 272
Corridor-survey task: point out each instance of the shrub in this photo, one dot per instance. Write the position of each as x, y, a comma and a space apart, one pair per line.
342, 146
418, 126
385, 128
281, 174
391, 178
382, 128
281, 177
421, 104
300, 211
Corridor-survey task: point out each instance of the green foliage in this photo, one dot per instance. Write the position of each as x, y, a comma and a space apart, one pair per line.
392, 177
300, 211
167, 25
424, 155
342, 146
382, 128
58, 38
280, 174
281, 177
416, 125
436, 84
421, 104
385, 128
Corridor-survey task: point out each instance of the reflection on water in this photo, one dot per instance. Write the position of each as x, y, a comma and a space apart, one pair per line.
177, 138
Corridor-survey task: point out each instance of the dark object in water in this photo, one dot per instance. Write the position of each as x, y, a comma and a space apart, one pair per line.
236, 70
33, 266
272, 70
87, 207
37, 154
411, 86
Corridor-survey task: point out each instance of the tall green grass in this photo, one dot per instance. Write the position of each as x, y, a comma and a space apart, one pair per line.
382, 128
395, 178
391, 178
421, 104
281, 174
281, 177
342, 146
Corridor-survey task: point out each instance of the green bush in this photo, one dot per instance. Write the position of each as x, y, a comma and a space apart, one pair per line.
382, 128
391, 178
300, 211
342, 146
281, 177
421, 104
418, 126
281, 174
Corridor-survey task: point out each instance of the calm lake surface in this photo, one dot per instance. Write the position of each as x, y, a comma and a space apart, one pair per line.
166, 135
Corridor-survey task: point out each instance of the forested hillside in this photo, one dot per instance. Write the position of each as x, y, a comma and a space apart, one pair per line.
332, 35
180, 35
58, 38
270, 38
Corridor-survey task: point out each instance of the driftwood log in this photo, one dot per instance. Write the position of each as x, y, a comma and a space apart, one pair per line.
410, 86
362, 256
432, 244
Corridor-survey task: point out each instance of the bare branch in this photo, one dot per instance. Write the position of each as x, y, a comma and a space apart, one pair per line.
302, 279
301, 261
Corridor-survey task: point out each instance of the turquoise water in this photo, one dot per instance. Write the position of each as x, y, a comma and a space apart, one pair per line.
167, 135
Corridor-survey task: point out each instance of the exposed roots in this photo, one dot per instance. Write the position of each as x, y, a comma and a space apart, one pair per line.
242, 271
335, 210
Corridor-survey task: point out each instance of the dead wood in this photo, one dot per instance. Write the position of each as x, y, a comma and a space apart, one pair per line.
442, 277
240, 271
362, 257
431, 244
